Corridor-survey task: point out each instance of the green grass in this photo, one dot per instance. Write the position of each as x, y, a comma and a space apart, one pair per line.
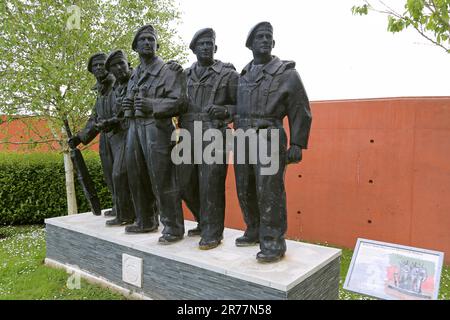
23, 275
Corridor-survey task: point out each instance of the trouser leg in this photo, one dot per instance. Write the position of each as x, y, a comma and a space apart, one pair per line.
139, 179
107, 160
163, 176
189, 187
212, 199
212, 193
122, 196
272, 201
246, 190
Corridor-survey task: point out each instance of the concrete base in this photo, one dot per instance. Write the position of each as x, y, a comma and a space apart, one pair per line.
137, 266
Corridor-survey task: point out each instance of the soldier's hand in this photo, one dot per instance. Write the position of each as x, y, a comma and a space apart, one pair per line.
174, 66
101, 125
144, 104
294, 154
218, 112
74, 142
127, 103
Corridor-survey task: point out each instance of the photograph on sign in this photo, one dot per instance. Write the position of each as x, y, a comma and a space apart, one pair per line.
394, 272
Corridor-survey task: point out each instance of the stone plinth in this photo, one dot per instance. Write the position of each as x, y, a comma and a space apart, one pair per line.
138, 264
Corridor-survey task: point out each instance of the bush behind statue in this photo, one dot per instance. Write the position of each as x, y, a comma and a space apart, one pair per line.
32, 187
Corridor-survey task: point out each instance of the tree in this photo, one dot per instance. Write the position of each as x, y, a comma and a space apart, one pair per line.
430, 18
44, 48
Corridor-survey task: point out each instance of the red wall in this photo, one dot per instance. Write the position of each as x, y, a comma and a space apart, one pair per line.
376, 169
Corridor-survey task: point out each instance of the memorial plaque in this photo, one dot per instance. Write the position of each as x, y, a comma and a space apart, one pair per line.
132, 270
394, 272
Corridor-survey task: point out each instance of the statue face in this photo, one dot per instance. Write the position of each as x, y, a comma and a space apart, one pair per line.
146, 44
205, 48
120, 69
98, 68
263, 42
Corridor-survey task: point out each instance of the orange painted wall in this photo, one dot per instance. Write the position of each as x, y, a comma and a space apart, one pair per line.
20, 131
376, 169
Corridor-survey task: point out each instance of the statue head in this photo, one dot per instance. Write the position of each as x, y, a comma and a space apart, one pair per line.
96, 65
117, 63
145, 42
203, 45
260, 39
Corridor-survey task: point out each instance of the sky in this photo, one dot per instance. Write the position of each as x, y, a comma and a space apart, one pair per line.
338, 55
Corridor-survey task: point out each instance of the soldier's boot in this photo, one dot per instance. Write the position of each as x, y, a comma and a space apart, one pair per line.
109, 213
209, 244
118, 222
167, 239
195, 232
246, 241
269, 257
136, 229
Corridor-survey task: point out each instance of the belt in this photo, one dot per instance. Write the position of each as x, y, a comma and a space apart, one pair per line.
258, 122
191, 117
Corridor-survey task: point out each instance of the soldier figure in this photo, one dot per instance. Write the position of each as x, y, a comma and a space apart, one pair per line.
212, 88
269, 90
117, 129
102, 111
154, 95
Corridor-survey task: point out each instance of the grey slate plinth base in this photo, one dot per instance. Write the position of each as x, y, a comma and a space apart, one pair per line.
182, 271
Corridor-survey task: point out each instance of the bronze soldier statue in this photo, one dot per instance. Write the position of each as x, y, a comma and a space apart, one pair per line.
269, 90
116, 129
211, 88
101, 112
155, 94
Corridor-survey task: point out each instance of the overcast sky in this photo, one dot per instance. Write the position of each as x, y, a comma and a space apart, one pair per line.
338, 55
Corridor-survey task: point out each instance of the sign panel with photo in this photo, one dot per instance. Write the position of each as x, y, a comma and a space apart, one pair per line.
394, 272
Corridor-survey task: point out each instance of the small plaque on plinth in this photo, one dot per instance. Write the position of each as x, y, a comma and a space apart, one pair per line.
132, 270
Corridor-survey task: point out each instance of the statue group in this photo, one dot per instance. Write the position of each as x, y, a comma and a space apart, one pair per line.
137, 111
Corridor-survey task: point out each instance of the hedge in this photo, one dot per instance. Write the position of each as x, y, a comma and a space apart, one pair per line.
32, 187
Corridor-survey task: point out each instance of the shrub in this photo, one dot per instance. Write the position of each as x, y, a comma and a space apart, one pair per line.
32, 187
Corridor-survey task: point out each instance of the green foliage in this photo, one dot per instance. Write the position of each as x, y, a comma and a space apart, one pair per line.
45, 46
23, 275
360, 10
428, 17
32, 187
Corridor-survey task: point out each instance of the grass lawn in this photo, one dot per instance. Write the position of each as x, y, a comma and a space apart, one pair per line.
23, 275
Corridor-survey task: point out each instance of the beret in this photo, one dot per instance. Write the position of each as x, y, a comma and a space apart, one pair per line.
147, 28
203, 32
100, 55
252, 32
114, 56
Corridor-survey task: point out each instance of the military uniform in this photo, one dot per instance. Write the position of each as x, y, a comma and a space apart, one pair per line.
266, 95
150, 169
102, 111
203, 185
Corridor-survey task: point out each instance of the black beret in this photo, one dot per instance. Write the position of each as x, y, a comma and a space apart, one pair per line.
251, 34
100, 55
147, 28
203, 32
114, 56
